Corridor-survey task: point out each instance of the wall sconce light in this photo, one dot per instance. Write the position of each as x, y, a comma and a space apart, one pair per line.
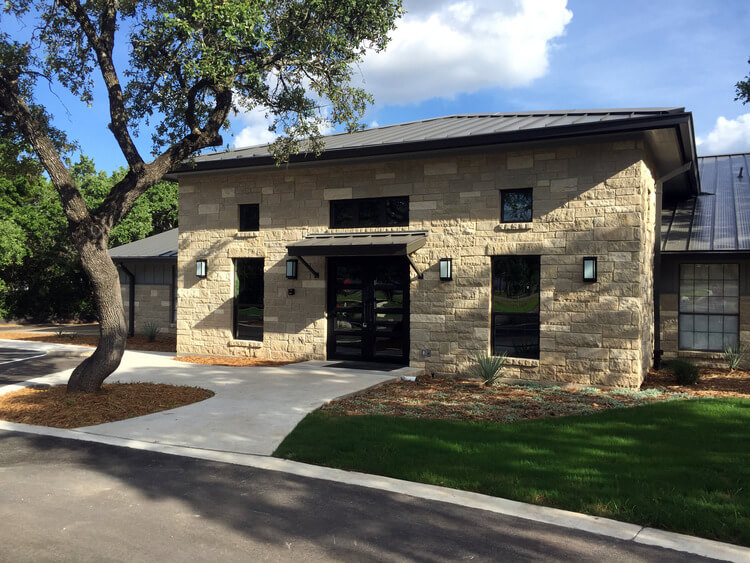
589, 269
201, 268
446, 269
291, 269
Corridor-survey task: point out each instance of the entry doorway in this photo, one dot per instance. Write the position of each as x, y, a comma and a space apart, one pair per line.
368, 309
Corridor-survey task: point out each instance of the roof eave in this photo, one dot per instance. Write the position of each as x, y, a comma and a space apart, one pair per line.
682, 121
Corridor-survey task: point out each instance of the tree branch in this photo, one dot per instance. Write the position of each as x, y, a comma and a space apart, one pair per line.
13, 105
103, 46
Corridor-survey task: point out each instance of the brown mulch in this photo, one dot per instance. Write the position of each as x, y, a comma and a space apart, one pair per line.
233, 362
714, 382
448, 399
115, 401
162, 343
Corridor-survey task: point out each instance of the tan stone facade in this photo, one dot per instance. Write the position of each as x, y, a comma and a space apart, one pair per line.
594, 199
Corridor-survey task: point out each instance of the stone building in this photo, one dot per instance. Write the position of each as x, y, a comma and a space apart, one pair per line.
535, 235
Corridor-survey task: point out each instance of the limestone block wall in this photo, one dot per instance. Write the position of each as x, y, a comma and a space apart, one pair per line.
594, 199
152, 305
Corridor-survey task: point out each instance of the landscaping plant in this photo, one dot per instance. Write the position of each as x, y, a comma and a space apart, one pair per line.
734, 356
488, 368
151, 330
685, 372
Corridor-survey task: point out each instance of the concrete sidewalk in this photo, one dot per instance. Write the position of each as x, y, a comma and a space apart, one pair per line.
253, 410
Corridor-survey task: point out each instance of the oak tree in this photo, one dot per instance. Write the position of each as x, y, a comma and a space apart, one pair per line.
190, 63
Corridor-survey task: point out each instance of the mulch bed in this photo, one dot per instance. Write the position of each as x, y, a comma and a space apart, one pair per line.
233, 362
459, 399
162, 343
714, 382
115, 401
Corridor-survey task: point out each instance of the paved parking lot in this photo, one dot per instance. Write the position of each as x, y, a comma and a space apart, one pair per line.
18, 363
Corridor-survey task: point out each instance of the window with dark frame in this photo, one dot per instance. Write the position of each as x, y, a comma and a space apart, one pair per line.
370, 212
248, 299
249, 217
516, 206
709, 307
515, 306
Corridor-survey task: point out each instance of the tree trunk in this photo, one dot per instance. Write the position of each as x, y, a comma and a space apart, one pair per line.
105, 282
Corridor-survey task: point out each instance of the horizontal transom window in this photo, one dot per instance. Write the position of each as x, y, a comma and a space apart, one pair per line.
370, 212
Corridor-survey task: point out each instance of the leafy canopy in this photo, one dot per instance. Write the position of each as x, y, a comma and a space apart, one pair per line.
295, 58
742, 89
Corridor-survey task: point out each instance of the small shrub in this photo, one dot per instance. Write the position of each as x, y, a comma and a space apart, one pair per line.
685, 372
488, 368
734, 356
151, 330
60, 333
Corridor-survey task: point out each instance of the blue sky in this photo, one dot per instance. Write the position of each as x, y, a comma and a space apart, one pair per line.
468, 56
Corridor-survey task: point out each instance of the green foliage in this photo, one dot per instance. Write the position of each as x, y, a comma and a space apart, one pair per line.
685, 371
742, 89
295, 58
151, 330
488, 368
734, 356
40, 274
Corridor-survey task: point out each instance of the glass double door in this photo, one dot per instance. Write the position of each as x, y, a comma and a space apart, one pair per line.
368, 309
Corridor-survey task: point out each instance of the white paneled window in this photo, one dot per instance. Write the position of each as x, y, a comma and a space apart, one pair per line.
709, 306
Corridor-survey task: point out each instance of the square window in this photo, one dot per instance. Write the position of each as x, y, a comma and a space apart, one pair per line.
516, 206
249, 217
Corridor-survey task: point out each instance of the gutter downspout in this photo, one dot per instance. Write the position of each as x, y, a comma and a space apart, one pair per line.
131, 299
659, 185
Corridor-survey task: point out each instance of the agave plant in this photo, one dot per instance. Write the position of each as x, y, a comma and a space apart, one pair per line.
488, 368
734, 356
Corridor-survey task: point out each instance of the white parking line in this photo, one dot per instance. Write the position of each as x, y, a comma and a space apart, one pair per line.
22, 359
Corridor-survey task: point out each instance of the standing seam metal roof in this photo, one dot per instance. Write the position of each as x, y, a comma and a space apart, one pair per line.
456, 126
163, 245
718, 219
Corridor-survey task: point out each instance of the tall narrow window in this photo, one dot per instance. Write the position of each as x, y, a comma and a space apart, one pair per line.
248, 299
249, 217
515, 306
516, 206
709, 306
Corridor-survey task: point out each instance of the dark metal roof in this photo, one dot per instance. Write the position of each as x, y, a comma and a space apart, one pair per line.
157, 247
718, 219
359, 244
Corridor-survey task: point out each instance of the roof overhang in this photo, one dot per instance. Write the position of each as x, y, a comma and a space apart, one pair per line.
359, 244
669, 136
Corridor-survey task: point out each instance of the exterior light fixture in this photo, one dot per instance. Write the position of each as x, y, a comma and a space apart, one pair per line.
201, 268
589, 269
291, 269
446, 269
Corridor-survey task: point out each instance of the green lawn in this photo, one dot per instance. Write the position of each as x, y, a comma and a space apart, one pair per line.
680, 465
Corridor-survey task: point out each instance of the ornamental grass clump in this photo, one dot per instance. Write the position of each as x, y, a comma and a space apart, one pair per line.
151, 330
734, 356
488, 368
685, 372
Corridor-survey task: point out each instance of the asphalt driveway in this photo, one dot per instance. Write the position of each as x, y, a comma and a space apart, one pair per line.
19, 363
72, 500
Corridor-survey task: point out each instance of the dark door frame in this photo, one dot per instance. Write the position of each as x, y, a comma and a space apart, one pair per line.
369, 312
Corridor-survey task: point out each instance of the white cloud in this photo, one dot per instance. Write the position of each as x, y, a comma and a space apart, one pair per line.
254, 129
728, 136
445, 47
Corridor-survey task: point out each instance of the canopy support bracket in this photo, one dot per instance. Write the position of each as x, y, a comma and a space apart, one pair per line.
315, 274
420, 275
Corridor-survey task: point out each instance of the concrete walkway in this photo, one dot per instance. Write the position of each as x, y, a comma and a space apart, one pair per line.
251, 413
